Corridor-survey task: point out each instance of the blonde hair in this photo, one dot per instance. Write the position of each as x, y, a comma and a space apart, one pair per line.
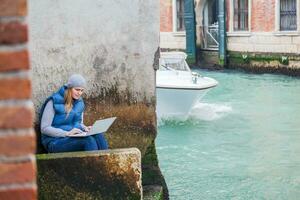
68, 100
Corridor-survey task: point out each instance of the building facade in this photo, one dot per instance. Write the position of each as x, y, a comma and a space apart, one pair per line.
256, 30
263, 26
172, 28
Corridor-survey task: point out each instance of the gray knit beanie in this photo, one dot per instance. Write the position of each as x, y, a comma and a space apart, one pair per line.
76, 80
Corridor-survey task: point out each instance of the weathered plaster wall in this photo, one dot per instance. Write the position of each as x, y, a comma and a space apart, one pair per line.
115, 45
112, 43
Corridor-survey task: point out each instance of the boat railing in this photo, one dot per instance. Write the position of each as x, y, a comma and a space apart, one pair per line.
167, 68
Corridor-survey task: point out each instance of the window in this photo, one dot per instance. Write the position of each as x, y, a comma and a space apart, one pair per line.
288, 15
180, 15
241, 15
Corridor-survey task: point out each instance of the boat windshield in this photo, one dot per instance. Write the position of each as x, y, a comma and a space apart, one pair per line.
173, 64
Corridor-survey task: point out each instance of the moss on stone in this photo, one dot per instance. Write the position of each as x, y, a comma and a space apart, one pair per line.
152, 192
191, 59
151, 173
150, 176
244, 57
90, 175
222, 61
150, 157
276, 63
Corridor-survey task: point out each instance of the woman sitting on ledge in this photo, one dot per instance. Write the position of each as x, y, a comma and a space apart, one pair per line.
62, 117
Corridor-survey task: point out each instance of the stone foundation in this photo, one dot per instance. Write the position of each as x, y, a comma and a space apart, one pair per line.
288, 64
208, 59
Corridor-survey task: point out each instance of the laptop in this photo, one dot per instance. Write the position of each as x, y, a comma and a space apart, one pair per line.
100, 126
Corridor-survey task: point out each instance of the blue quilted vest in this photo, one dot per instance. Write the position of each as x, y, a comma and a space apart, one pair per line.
61, 119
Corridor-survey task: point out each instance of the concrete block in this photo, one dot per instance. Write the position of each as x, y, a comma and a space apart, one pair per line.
111, 174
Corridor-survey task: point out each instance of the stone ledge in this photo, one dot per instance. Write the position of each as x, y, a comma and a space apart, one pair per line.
109, 174
78, 154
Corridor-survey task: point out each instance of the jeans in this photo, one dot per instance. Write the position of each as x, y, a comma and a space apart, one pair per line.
68, 144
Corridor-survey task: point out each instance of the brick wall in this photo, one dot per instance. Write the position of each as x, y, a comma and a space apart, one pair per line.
263, 16
17, 138
166, 16
227, 7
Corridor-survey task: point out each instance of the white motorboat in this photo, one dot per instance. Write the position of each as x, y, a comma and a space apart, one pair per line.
178, 89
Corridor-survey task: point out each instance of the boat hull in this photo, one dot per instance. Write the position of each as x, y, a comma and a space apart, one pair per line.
177, 102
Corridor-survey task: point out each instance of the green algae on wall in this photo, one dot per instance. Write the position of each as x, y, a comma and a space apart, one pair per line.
135, 125
152, 193
151, 173
240, 57
288, 64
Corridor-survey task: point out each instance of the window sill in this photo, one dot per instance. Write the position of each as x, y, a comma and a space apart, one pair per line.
286, 33
179, 33
239, 34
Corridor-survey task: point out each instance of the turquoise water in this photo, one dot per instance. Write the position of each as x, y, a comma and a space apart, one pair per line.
241, 142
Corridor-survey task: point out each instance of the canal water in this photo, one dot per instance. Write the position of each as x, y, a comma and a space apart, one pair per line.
242, 141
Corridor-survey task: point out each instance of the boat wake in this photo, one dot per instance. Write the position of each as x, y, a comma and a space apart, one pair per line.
209, 112
200, 112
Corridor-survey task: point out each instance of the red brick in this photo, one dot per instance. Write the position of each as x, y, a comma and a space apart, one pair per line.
15, 88
16, 117
227, 7
19, 194
166, 16
23, 172
13, 32
263, 16
14, 60
13, 7
17, 145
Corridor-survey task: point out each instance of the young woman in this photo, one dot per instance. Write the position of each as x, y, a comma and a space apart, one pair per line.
62, 117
